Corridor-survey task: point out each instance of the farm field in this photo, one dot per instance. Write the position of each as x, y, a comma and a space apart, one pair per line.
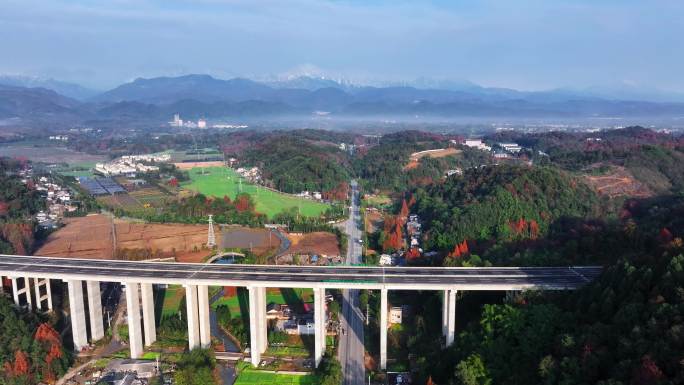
91, 237
149, 195
223, 181
47, 152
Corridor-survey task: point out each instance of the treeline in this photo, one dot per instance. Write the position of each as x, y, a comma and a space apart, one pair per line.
18, 202
627, 327
31, 351
195, 209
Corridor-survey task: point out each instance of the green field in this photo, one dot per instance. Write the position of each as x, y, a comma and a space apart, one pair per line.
295, 298
255, 377
223, 181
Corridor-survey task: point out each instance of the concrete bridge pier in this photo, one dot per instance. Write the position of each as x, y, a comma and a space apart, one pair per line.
197, 302
135, 338
77, 314
261, 317
79, 324
95, 310
319, 324
40, 297
192, 312
449, 316
204, 321
17, 292
254, 334
149, 326
383, 329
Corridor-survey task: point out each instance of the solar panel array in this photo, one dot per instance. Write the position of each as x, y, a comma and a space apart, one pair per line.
110, 185
100, 186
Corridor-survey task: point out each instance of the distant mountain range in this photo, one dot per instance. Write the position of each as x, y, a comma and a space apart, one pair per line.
195, 96
71, 90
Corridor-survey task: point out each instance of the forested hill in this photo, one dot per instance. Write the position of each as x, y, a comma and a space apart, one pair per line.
293, 164
384, 166
500, 203
654, 159
626, 328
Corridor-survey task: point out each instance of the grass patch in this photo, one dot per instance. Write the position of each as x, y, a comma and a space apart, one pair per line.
173, 296
295, 298
250, 376
288, 351
223, 181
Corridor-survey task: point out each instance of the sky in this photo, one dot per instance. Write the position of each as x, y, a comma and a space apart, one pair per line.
522, 44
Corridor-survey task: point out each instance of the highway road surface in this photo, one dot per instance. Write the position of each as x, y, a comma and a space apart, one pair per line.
351, 350
393, 278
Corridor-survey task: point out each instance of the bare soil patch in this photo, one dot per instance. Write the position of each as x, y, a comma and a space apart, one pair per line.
189, 165
414, 159
618, 182
94, 236
259, 241
317, 243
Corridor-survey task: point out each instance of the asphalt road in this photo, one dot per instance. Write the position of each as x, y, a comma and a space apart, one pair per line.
351, 350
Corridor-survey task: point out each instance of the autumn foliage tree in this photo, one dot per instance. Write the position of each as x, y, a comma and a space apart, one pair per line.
404, 209
30, 352
392, 234
243, 202
460, 250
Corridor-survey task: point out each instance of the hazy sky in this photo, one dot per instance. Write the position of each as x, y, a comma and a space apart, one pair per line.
525, 44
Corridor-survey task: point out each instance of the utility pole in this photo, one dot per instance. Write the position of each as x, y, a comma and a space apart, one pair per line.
211, 237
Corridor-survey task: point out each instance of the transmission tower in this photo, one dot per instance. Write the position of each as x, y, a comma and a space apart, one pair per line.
211, 237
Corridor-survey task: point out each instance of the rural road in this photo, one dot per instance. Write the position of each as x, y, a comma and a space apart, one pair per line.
351, 350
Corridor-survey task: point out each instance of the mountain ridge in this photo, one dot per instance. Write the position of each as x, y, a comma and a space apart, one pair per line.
199, 95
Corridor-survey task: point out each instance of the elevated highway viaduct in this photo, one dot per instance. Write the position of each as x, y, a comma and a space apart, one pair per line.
83, 277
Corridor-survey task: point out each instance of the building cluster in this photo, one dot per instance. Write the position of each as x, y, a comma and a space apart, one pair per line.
130, 165
413, 230
230, 126
311, 195
58, 199
178, 122
347, 147
252, 174
499, 150
62, 138
474, 143
413, 233
293, 323
455, 171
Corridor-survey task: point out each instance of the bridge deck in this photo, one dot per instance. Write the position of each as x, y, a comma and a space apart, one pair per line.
434, 278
